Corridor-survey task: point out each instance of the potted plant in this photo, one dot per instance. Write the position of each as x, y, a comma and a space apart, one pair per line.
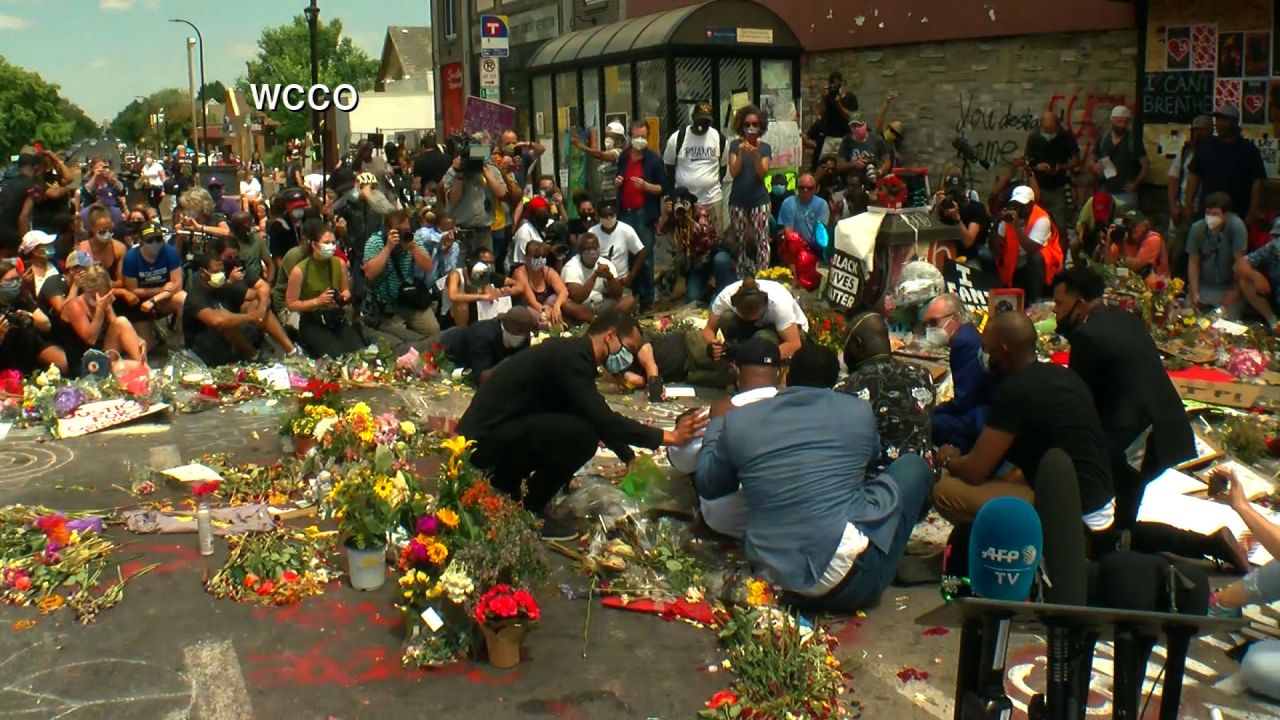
366, 504
301, 426
505, 614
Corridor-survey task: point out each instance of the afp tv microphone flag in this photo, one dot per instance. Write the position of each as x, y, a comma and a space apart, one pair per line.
1004, 549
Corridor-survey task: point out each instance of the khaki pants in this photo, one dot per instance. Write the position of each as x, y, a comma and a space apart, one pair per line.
958, 502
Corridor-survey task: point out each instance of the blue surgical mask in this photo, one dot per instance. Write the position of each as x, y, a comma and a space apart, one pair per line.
50, 252
779, 190
617, 363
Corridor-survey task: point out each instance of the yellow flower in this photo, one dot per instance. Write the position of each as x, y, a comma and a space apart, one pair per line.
359, 410
366, 436
50, 603
448, 517
408, 429
757, 593
437, 552
406, 580
457, 445
421, 577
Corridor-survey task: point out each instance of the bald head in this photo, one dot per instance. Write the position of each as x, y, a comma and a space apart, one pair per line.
1010, 342
868, 337
1049, 122
520, 320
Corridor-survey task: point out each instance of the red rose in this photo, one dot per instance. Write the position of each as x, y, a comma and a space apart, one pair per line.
289, 576
266, 588
209, 391
722, 698
250, 580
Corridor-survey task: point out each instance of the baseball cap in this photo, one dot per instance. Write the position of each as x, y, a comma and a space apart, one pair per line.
538, 203
1023, 194
1230, 112
1121, 111
896, 126
1202, 122
759, 352
1134, 216
616, 128
702, 110
34, 239
857, 119
150, 231
79, 259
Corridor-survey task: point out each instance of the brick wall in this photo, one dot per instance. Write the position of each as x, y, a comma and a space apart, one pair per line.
991, 91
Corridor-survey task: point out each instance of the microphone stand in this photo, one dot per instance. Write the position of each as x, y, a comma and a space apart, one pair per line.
988, 700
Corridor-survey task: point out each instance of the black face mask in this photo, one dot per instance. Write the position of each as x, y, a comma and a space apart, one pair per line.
701, 127
1067, 324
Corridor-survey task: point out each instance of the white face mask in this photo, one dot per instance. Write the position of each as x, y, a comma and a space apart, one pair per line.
326, 251
639, 144
103, 237
1214, 221
608, 143
936, 337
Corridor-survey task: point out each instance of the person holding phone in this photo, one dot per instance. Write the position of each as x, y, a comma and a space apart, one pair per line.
749, 158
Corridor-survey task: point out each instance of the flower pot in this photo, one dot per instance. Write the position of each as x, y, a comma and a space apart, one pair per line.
503, 644
303, 444
367, 568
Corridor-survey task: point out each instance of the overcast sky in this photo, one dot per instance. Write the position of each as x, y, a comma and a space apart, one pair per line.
103, 52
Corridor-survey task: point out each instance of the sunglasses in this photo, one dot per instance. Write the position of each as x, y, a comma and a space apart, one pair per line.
807, 187
935, 322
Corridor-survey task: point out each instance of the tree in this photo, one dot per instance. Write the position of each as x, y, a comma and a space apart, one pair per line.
32, 110
213, 91
284, 57
82, 126
133, 123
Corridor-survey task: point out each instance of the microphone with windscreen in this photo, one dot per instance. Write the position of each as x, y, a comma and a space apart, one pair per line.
1004, 549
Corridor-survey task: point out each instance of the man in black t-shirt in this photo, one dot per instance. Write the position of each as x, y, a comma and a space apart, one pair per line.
17, 199
221, 320
293, 171
430, 166
1228, 163
1037, 407
1052, 154
970, 217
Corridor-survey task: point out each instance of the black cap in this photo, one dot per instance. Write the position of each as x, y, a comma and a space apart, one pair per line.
702, 110
757, 351
150, 230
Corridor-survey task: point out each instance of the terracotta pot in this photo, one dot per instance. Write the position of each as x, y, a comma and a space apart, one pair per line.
503, 644
302, 444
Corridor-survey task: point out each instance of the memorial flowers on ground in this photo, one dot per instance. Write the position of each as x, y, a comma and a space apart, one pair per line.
274, 568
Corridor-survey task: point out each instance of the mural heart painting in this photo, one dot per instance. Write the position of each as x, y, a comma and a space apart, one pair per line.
1178, 48
1253, 103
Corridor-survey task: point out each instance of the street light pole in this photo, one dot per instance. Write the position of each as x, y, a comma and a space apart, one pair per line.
204, 116
191, 91
313, 18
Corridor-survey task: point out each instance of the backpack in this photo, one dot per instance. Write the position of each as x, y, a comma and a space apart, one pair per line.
680, 149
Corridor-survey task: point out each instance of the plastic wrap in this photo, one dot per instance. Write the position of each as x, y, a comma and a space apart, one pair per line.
919, 282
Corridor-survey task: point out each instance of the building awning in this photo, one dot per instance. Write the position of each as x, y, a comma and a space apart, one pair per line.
719, 24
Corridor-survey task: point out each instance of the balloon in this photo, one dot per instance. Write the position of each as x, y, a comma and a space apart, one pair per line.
807, 270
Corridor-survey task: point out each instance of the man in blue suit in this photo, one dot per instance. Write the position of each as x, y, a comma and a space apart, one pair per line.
817, 525
959, 420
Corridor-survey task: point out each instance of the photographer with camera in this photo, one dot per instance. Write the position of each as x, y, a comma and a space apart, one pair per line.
399, 302
100, 188
1094, 226
1026, 244
1139, 247
698, 254
968, 216
24, 328
863, 152
523, 153
1053, 154
473, 187
319, 290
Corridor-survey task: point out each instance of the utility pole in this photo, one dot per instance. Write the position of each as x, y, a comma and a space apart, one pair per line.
191, 90
313, 19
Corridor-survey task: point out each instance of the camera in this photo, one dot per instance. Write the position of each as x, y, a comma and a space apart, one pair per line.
680, 208
17, 319
1117, 232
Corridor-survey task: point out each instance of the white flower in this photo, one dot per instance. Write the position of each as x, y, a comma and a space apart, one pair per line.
456, 582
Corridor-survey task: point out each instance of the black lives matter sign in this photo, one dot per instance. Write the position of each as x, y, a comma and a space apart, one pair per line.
844, 280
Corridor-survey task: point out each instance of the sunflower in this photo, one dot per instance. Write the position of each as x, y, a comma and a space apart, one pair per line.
437, 552
457, 445
448, 517
408, 429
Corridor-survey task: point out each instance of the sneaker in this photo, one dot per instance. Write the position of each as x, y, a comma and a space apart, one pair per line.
557, 530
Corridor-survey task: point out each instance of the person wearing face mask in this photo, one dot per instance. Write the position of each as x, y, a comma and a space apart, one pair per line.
476, 291
401, 303
100, 188
153, 272
481, 346
593, 284
540, 416
25, 330
901, 394
1037, 407
1143, 421
1215, 243
284, 231
1229, 162
251, 250
95, 325
861, 151
223, 205
1052, 154
544, 291
640, 182
749, 158
959, 420
223, 321
620, 244
533, 226
587, 217
1184, 209
696, 161
319, 290
109, 253
1119, 159
606, 157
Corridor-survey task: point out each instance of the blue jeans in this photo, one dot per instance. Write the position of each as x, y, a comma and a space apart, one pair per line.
875, 568
1261, 669
643, 287
721, 267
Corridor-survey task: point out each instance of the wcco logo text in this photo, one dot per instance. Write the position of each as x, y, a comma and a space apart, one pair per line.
295, 98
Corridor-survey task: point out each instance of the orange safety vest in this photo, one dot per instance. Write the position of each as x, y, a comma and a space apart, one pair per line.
1007, 262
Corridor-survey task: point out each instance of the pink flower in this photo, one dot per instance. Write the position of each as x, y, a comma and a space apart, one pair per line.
428, 525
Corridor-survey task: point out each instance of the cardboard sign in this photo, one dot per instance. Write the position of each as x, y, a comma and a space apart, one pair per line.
1236, 395
95, 416
971, 285
489, 116
844, 280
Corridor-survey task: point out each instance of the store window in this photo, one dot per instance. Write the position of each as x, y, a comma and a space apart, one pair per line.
778, 99
569, 113
651, 98
543, 120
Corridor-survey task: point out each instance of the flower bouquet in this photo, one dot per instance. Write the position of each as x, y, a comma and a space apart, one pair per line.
777, 273
892, 192
828, 330
274, 568
366, 504
504, 615
274, 484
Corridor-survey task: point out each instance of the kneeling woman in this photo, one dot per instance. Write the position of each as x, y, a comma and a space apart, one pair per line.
465, 288
24, 328
319, 291
95, 325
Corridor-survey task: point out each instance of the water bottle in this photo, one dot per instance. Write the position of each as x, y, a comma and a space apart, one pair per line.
204, 528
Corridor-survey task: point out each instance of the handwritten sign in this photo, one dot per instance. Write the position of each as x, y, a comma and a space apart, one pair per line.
488, 116
95, 416
971, 285
1177, 96
844, 281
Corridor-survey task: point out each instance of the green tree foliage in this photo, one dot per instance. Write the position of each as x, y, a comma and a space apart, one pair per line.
133, 123
213, 91
284, 56
31, 109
